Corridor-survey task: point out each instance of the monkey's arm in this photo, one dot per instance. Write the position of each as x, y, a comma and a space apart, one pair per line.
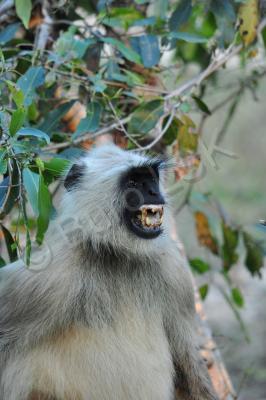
33, 305
192, 378
191, 375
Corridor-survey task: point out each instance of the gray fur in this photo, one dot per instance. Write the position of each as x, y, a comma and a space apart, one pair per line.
107, 316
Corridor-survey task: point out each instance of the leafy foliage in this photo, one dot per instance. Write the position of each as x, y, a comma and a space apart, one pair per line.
69, 73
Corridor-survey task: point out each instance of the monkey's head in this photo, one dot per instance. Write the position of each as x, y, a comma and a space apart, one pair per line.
116, 198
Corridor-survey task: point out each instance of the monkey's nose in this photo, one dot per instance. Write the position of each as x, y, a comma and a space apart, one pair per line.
153, 192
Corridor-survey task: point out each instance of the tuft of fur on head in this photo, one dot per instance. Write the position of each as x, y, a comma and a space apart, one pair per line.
94, 201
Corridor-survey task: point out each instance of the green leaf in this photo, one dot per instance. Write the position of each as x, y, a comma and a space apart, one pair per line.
160, 7
202, 106
180, 15
31, 80
44, 207
92, 120
31, 184
203, 290
32, 113
127, 52
133, 79
148, 47
254, 255
223, 8
224, 13
122, 17
23, 9
98, 84
199, 266
10, 244
3, 161
2, 262
33, 132
237, 297
8, 32
188, 37
145, 117
230, 242
40, 164
236, 312
56, 166
185, 107
51, 121
171, 134
69, 47
187, 136
17, 94
17, 120
150, 21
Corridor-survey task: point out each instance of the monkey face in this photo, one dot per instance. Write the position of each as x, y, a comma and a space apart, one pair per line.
115, 198
144, 203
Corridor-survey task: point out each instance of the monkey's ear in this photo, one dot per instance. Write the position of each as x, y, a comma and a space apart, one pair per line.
73, 176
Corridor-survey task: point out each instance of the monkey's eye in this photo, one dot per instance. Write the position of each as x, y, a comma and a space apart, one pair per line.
132, 183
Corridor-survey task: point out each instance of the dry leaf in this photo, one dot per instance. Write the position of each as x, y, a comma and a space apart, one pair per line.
76, 112
204, 234
36, 20
120, 139
186, 165
87, 144
248, 21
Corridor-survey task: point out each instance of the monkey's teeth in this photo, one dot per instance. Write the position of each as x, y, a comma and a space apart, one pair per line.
150, 216
148, 221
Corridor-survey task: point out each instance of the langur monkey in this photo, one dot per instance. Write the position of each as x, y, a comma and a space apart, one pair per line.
110, 314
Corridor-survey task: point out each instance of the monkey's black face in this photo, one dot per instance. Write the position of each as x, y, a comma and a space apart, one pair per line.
143, 213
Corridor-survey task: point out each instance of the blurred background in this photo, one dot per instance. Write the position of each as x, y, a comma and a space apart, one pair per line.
240, 185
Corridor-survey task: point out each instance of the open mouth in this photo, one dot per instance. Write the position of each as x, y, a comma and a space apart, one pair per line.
147, 220
149, 216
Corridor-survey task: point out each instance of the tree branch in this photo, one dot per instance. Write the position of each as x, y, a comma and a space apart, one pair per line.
45, 27
87, 136
6, 5
161, 134
213, 66
216, 63
122, 127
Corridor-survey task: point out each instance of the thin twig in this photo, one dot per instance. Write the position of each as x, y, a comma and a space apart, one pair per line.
123, 127
185, 199
87, 136
213, 66
9, 169
84, 80
45, 27
6, 5
20, 200
161, 134
219, 106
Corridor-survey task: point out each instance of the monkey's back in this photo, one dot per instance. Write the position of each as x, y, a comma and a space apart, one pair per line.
128, 360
